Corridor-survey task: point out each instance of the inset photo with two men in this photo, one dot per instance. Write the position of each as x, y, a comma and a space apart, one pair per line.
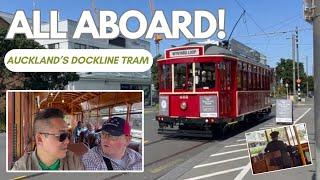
75, 131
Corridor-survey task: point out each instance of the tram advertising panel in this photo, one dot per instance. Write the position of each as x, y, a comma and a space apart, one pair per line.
208, 106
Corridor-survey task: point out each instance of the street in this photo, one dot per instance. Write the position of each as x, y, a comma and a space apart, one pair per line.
169, 157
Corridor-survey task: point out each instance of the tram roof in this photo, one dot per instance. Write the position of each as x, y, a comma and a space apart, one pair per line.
75, 102
213, 49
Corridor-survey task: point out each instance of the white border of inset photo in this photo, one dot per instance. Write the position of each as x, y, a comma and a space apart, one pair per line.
284, 169
76, 171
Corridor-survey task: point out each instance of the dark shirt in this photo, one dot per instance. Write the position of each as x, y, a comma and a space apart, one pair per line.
276, 146
284, 161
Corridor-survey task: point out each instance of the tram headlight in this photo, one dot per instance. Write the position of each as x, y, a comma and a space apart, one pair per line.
183, 105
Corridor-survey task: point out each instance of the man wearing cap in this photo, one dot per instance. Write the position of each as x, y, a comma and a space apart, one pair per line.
277, 145
113, 152
51, 138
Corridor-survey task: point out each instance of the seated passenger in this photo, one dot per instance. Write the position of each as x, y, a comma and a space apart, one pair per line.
277, 145
113, 152
51, 138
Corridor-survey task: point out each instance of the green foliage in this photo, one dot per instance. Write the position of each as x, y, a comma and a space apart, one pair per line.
2, 122
154, 71
256, 150
12, 80
284, 71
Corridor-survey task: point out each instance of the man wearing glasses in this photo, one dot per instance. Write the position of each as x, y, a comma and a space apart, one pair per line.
113, 152
51, 138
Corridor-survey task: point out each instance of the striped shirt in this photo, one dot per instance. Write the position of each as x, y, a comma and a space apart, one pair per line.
93, 160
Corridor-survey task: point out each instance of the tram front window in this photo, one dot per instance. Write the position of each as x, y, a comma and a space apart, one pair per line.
183, 79
205, 75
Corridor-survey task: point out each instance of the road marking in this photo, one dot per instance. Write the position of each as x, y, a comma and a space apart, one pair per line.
235, 145
153, 119
241, 140
216, 173
220, 162
302, 116
166, 166
20, 177
228, 152
244, 171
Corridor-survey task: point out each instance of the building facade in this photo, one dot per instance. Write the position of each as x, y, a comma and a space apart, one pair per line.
102, 80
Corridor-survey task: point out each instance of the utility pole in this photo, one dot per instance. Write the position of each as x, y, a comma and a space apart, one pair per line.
293, 65
311, 12
297, 50
307, 75
298, 65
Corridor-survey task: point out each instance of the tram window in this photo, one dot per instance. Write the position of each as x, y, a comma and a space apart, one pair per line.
179, 76
228, 73
245, 77
239, 75
249, 77
205, 75
165, 77
183, 77
119, 110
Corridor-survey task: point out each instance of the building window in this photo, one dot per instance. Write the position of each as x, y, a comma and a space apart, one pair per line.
80, 46
119, 41
53, 46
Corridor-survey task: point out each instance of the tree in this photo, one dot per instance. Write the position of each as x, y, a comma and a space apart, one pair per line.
284, 73
154, 71
36, 81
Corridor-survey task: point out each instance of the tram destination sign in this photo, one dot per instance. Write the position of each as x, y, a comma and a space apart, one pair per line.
184, 51
208, 106
284, 112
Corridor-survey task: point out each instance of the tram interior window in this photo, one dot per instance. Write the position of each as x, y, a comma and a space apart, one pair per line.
165, 77
119, 111
136, 116
205, 75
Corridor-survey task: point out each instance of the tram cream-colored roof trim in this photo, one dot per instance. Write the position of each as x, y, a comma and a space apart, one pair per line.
182, 93
217, 55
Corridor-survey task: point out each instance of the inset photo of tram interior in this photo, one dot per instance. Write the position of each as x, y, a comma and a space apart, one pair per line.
279, 148
75, 131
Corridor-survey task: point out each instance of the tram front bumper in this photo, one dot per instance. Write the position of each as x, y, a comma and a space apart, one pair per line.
170, 125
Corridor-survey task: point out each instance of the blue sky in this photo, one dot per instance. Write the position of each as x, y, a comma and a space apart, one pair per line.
265, 17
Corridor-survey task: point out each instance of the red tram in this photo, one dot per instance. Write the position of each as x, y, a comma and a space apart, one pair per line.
205, 88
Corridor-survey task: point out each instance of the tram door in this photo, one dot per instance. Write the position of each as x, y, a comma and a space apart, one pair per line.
227, 101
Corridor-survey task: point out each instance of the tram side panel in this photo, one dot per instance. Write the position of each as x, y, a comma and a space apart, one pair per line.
250, 102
